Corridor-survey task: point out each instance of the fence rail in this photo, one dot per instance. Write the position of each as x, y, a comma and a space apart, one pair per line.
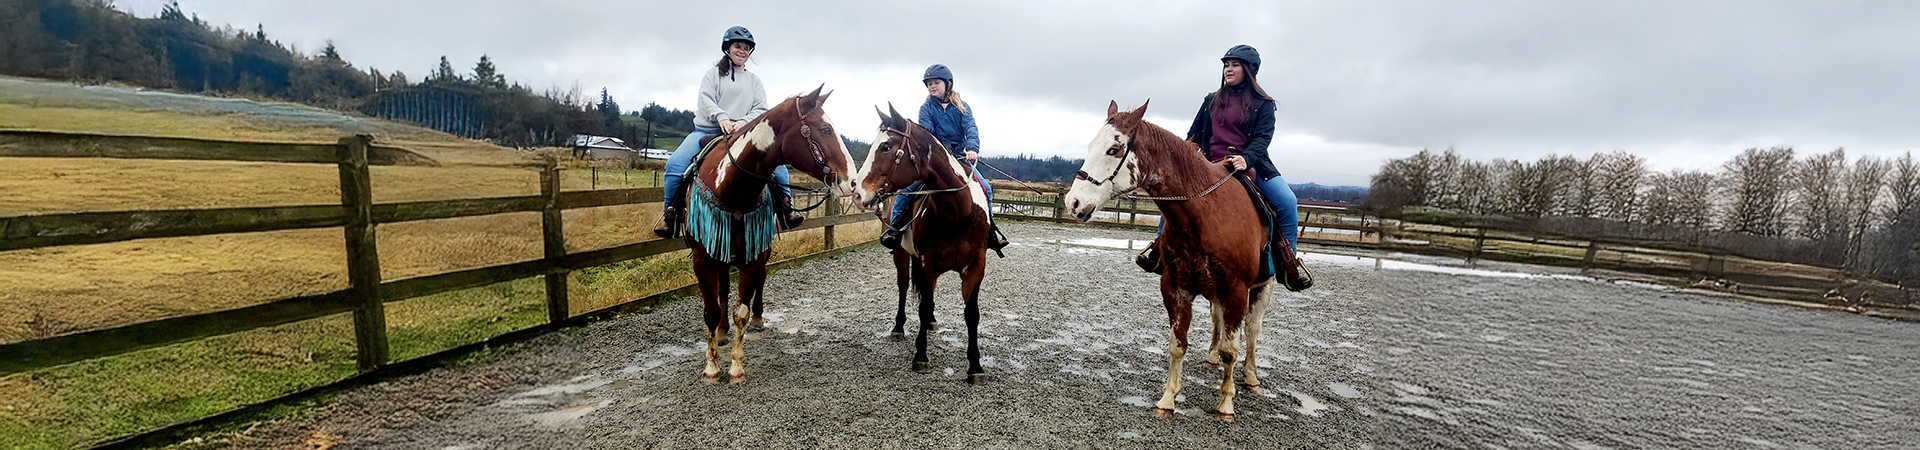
356, 214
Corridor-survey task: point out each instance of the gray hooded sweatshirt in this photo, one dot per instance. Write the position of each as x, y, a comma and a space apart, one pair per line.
738, 96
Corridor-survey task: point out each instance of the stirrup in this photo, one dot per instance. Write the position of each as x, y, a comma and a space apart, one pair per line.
891, 241
996, 240
1149, 258
671, 220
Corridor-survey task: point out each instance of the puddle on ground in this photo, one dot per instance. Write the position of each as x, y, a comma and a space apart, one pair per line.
1344, 390
535, 396
563, 416
1309, 406
1104, 243
1137, 401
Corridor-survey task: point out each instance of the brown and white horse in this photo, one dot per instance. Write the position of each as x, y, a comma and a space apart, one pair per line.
1210, 244
949, 229
731, 218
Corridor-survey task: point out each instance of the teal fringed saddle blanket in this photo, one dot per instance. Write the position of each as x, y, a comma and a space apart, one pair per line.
720, 232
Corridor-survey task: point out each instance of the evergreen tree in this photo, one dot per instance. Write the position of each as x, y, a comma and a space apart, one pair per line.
485, 75
444, 73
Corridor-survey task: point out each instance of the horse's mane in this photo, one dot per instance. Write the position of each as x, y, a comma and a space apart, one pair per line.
785, 105
1148, 135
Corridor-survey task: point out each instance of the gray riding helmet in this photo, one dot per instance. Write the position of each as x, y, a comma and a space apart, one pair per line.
1246, 54
938, 71
736, 34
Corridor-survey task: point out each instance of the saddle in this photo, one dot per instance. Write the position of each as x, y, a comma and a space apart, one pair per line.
1294, 275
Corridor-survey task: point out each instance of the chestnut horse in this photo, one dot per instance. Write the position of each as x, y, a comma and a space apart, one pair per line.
949, 228
1207, 246
730, 214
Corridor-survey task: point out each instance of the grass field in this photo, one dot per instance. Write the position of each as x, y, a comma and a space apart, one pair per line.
53, 291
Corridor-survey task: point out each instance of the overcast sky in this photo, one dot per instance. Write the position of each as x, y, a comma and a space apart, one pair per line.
1686, 84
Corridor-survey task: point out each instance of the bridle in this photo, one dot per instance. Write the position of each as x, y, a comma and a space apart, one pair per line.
1125, 150
1128, 150
819, 160
886, 188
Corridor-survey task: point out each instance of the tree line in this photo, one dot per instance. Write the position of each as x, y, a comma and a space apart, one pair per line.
1818, 208
91, 41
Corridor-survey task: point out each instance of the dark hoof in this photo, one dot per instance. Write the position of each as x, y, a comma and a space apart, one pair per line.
737, 379
922, 367
757, 324
710, 379
977, 379
1228, 418
1163, 413
1258, 390
898, 336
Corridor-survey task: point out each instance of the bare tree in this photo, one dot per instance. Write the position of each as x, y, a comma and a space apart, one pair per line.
1817, 181
1678, 199
1478, 187
1757, 183
1620, 174
1864, 183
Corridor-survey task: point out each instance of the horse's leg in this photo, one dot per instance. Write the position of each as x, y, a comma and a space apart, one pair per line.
1179, 314
758, 323
970, 293
1236, 313
713, 291
1213, 344
753, 279
903, 274
1256, 309
923, 282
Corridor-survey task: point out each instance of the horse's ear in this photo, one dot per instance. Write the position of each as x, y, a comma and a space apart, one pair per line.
1112, 107
823, 97
882, 114
896, 114
1142, 111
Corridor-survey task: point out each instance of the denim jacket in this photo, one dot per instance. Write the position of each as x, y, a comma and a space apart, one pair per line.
954, 128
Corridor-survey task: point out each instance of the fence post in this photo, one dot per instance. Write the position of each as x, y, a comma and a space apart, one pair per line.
1059, 205
363, 257
595, 184
1593, 252
1133, 210
833, 210
555, 243
1479, 240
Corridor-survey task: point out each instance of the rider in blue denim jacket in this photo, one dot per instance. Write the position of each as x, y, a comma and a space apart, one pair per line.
951, 121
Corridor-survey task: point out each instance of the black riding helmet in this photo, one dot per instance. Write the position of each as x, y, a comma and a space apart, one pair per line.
1247, 55
939, 71
736, 34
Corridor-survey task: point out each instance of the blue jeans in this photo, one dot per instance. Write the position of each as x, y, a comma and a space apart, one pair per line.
1279, 195
683, 157
900, 201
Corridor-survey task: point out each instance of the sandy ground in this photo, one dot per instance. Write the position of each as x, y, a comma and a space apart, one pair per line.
1399, 355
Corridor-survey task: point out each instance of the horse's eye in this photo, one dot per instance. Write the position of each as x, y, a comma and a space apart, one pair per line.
1113, 151
881, 149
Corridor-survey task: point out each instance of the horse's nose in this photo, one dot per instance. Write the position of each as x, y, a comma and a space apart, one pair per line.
1076, 205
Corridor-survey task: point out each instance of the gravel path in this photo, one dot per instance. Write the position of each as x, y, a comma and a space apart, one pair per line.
1074, 339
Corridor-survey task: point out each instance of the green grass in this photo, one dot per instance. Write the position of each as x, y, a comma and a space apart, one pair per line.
91, 401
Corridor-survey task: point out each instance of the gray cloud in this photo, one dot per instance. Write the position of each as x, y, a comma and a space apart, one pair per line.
1685, 83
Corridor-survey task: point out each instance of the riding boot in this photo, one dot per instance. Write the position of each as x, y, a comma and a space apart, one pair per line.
1149, 258
1293, 274
890, 238
673, 219
783, 208
996, 240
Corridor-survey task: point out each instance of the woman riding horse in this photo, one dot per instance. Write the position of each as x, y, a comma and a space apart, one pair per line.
951, 121
733, 213
950, 228
1207, 248
730, 96
1235, 126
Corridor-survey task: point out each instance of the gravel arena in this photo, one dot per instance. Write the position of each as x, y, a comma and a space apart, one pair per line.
1409, 352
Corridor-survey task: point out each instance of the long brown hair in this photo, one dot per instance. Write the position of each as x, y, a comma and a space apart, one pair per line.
1244, 92
953, 96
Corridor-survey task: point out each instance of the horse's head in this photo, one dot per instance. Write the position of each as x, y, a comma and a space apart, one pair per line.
808, 142
1111, 167
902, 154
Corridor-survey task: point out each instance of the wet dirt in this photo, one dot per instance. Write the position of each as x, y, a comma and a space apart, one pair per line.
1074, 339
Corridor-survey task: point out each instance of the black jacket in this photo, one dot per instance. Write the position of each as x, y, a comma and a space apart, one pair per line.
1259, 135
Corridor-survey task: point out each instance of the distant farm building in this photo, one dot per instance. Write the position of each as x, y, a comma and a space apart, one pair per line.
585, 146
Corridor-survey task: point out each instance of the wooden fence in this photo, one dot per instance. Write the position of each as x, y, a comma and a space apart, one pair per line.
356, 214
